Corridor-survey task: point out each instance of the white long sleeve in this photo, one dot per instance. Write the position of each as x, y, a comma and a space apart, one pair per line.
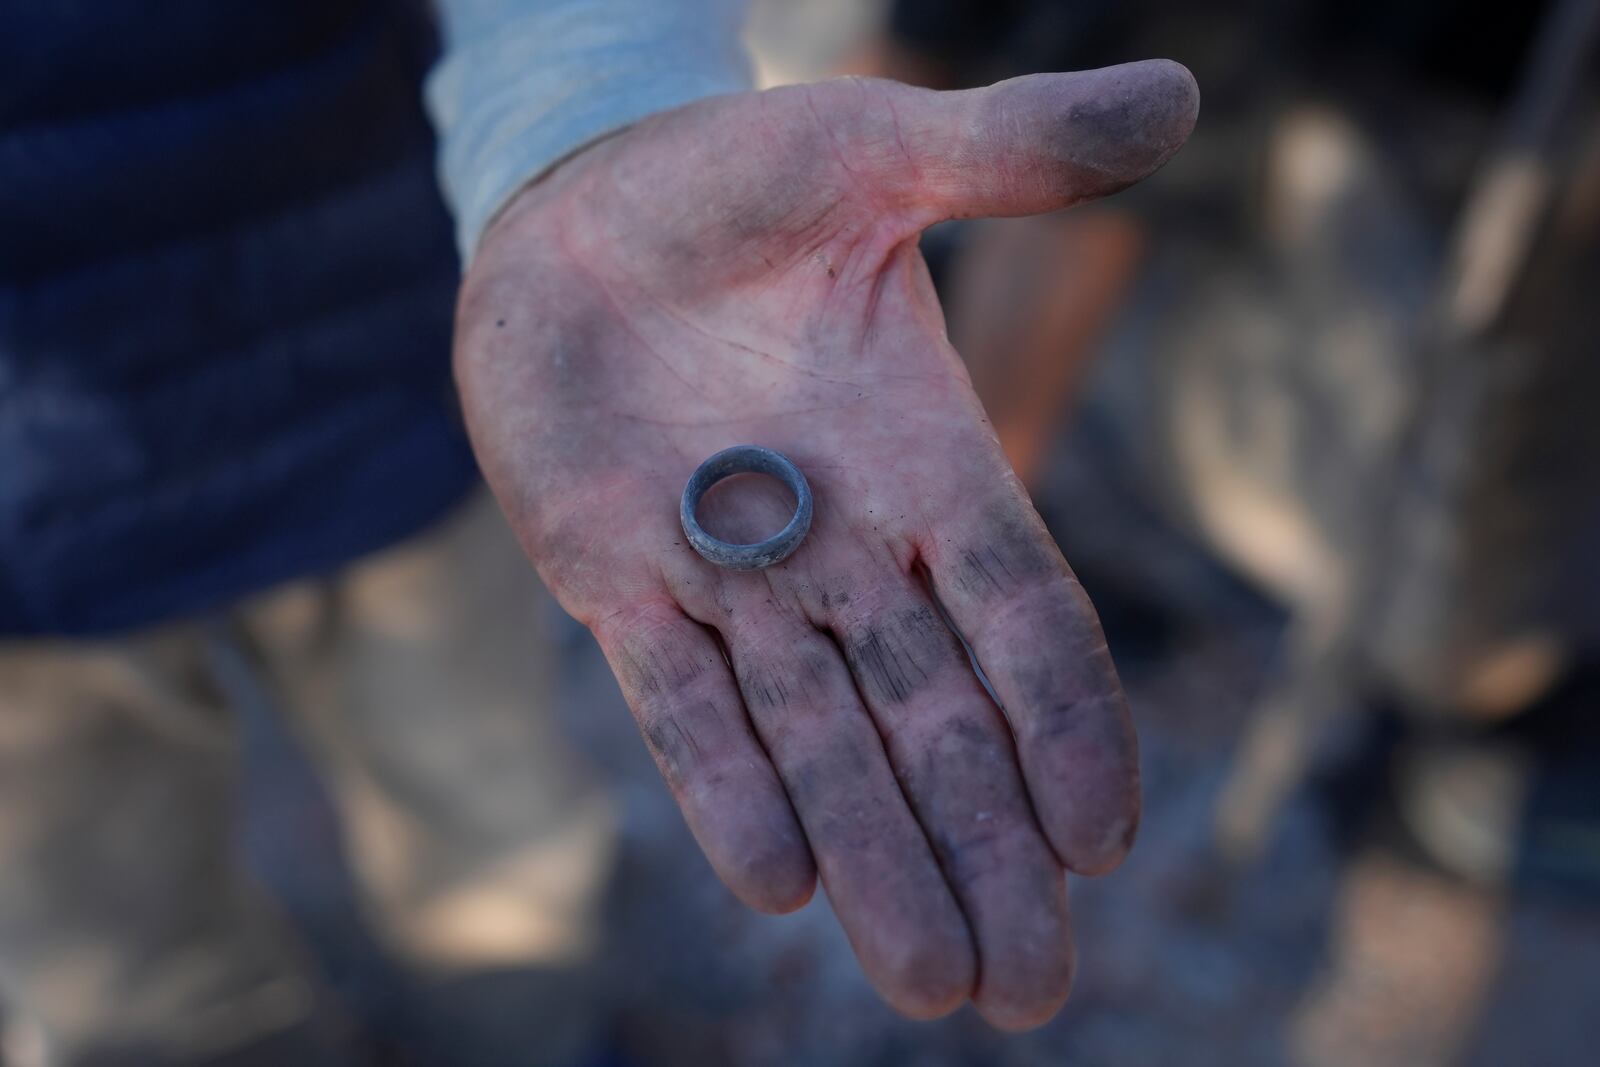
524, 83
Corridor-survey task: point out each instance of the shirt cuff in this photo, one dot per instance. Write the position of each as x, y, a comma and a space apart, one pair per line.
522, 85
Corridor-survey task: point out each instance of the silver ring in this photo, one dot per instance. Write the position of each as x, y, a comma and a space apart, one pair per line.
746, 459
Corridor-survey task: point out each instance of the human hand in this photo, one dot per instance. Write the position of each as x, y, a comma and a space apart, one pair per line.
745, 270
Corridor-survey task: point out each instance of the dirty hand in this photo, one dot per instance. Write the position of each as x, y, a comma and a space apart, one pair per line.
745, 270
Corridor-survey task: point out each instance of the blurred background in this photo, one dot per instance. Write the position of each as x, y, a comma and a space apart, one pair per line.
1312, 412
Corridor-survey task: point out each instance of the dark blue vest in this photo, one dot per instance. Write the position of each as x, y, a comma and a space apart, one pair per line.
225, 298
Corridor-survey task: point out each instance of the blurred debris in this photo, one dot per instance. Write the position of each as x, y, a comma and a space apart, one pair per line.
1492, 241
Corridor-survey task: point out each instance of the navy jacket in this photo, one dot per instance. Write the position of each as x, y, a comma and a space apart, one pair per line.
226, 282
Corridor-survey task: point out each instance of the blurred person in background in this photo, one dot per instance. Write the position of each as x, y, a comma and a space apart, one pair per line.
234, 477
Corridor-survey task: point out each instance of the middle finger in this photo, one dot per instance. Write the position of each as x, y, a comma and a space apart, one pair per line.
880, 874
957, 764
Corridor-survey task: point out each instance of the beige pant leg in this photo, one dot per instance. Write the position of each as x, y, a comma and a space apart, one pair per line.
422, 681
125, 919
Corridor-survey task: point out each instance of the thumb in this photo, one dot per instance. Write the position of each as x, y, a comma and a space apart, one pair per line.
1041, 142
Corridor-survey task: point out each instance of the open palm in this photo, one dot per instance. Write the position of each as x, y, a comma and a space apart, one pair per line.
745, 270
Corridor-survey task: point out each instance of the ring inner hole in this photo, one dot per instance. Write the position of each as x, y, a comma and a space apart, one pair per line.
746, 509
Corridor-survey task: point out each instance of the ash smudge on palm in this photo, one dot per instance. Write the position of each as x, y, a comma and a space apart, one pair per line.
896, 655
1013, 555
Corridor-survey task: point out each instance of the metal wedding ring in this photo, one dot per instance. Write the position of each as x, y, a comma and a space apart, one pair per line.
746, 459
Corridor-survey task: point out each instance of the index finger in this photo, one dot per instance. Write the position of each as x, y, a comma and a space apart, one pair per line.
1036, 637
